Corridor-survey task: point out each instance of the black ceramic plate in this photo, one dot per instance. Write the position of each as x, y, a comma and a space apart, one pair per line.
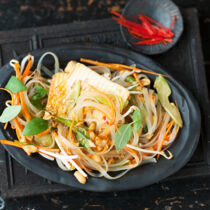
182, 148
162, 11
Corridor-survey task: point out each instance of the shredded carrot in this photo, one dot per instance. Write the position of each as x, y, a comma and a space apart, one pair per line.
71, 127
137, 79
25, 110
45, 154
43, 133
24, 107
48, 149
17, 99
11, 143
27, 69
18, 134
5, 126
17, 70
55, 124
130, 150
166, 133
119, 67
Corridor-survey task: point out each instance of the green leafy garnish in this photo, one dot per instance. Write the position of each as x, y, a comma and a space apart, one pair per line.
137, 119
82, 139
15, 85
40, 93
37, 104
120, 140
35, 126
164, 91
10, 113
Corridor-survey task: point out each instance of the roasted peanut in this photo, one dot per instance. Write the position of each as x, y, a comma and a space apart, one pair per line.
92, 135
145, 82
80, 177
96, 158
29, 149
92, 126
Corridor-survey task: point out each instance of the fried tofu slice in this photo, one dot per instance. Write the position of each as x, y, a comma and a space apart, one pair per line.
62, 84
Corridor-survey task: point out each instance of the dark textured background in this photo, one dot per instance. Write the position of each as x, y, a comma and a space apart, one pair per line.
185, 194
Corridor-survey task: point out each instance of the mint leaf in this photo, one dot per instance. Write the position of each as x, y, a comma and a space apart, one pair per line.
37, 104
137, 119
15, 85
35, 126
40, 93
120, 140
10, 113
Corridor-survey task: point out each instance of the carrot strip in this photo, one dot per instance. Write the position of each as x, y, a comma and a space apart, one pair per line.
27, 69
43, 133
71, 127
137, 79
119, 67
18, 134
25, 110
48, 149
17, 99
5, 126
17, 71
45, 154
166, 133
11, 143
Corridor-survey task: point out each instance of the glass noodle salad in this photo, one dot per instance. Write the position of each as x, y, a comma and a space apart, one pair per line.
93, 120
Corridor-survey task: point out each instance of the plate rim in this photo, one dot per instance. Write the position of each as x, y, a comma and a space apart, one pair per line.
124, 53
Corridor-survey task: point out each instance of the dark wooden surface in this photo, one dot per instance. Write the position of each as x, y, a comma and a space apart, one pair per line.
180, 194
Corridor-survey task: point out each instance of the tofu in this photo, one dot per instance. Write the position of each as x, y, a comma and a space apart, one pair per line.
63, 83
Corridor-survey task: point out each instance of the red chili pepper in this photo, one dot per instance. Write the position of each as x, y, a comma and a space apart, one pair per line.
146, 24
172, 23
148, 31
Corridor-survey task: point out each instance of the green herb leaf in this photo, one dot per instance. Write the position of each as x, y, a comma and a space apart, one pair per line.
10, 113
137, 119
81, 138
37, 104
40, 93
120, 140
35, 126
15, 85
